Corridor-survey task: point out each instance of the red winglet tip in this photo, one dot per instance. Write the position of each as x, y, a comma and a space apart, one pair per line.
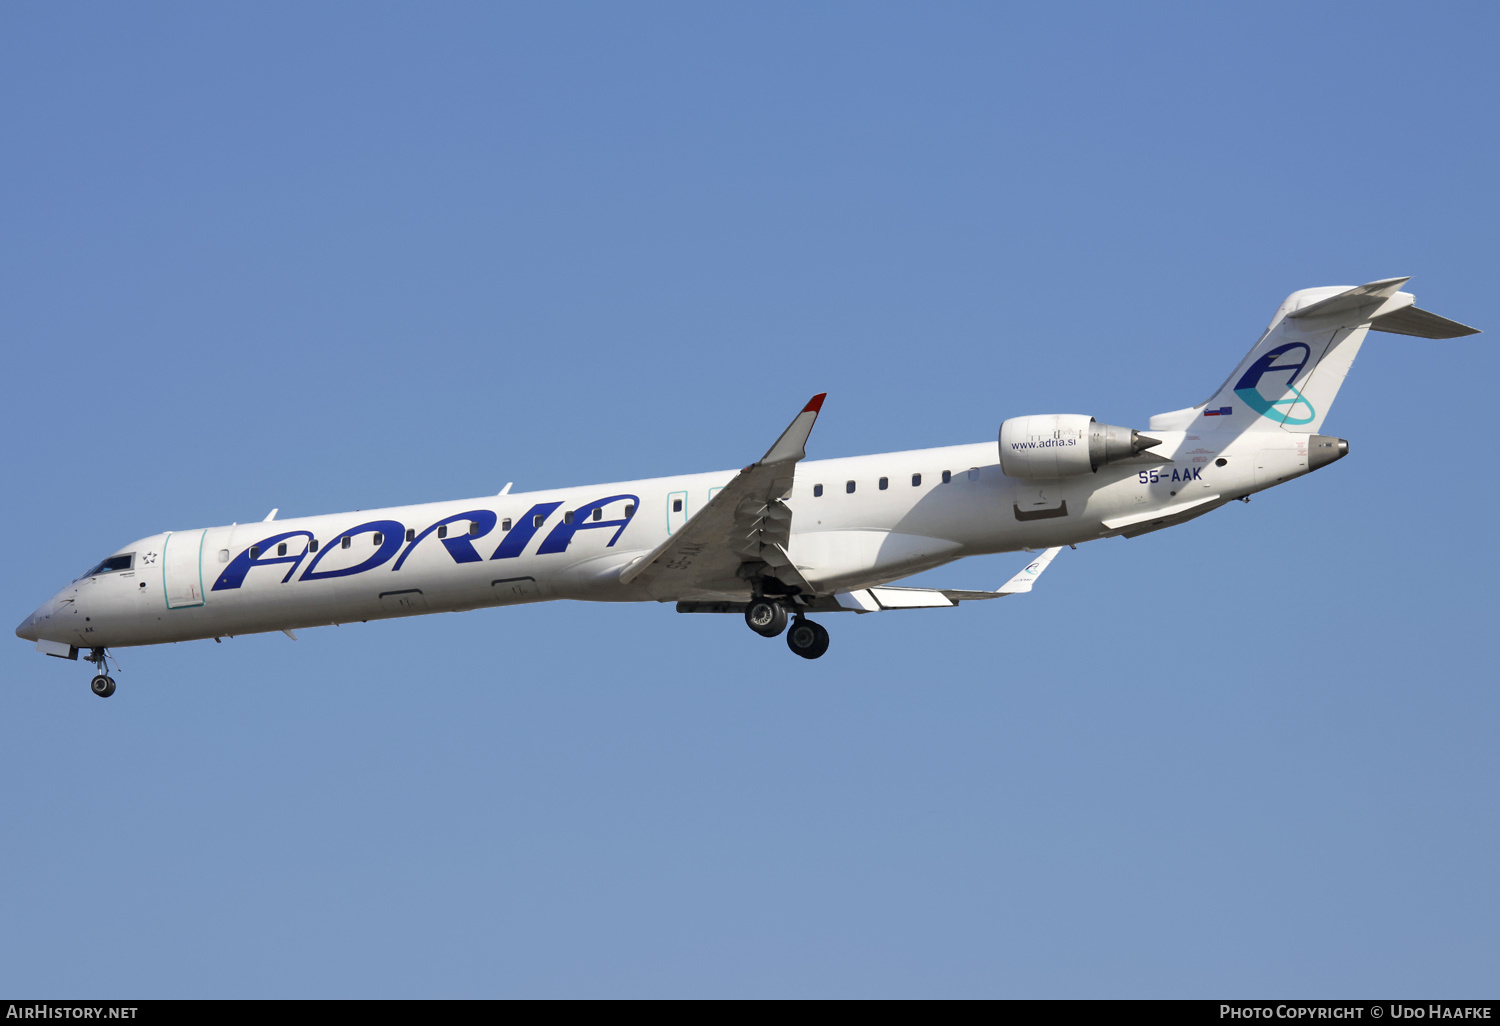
815, 403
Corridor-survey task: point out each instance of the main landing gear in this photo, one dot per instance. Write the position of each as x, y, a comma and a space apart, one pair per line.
806, 638
103, 684
768, 618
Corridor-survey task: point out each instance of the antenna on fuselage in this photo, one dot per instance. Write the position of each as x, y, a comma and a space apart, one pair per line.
506, 489
271, 515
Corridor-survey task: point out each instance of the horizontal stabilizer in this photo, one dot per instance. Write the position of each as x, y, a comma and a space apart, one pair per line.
1372, 294
1162, 513
1421, 324
1169, 516
1393, 311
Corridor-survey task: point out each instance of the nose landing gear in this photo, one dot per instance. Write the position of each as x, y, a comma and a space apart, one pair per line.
103, 684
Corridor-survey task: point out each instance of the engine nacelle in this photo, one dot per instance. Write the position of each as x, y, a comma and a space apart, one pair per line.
1065, 445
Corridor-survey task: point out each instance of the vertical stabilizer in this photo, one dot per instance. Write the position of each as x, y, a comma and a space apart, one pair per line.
1289, 380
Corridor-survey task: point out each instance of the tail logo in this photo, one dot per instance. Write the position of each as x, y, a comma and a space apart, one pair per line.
1248, 387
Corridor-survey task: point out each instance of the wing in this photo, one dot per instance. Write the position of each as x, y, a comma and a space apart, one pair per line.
875, 600
743, 532
871, 600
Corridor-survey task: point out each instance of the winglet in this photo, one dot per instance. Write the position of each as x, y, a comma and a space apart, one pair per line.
1022, 582
756, 492
791, 446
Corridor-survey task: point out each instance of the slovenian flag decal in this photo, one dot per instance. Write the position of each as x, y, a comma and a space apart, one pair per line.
1222, 411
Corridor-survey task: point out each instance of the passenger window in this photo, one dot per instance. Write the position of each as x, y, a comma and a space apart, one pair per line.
443, 531
568, 517
378, 539
281, 549
817, 491
411, 534
916, 480
473, 527
598, 514
255, 552
344, 542
676, 505
536, 521
885, 483
312, 546
505, 524
223, 555
849, 487
973, 473
947, 476
629, 510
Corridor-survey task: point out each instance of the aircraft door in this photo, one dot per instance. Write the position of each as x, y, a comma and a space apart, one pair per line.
182, 569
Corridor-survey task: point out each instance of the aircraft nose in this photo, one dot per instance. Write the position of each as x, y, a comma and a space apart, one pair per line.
27, 630
31, 627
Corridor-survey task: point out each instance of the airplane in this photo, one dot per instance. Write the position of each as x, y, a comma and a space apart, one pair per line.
781, 539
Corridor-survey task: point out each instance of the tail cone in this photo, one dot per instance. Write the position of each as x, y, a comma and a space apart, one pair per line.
1325, 449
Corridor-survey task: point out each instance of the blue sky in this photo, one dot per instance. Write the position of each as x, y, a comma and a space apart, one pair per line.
350, 255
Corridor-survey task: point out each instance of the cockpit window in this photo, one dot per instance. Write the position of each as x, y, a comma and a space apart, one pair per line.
112, 565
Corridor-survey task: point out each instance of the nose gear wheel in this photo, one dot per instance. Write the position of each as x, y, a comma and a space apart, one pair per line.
103, 684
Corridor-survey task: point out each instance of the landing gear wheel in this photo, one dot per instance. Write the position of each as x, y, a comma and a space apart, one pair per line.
765, 617
102, 686
809, 640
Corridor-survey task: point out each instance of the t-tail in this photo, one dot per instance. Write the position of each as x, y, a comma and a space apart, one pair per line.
1288, 380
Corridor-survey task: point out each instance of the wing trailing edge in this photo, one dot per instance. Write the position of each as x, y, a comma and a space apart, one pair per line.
874, 600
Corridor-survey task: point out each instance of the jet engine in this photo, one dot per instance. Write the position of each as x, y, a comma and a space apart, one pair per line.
1065, 445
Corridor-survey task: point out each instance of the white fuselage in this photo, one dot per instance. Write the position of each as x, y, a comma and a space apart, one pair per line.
573, 543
